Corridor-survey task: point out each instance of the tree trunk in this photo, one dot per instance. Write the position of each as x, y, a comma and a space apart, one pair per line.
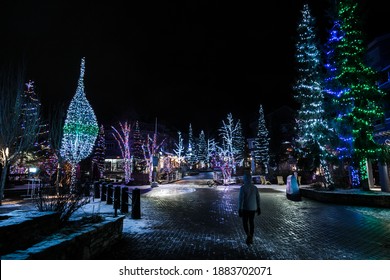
58, 179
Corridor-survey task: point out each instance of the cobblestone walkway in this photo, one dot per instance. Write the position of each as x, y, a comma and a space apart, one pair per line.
190, 222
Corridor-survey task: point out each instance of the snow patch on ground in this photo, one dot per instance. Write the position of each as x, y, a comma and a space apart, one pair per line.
170, 191
139, 226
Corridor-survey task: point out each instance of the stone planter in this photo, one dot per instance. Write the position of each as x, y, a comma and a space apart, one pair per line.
77, 242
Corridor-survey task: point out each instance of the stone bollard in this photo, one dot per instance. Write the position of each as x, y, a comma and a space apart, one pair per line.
125, 200
96, 190
110, 192
117, 197
104, 191
136, 204
87, 189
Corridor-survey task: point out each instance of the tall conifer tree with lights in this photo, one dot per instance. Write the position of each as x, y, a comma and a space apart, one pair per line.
261, 151
80, 129
31, 109
311, 124
99, 153
239, 144
191, 148
359, 98
332, 90
136, 149
202, 149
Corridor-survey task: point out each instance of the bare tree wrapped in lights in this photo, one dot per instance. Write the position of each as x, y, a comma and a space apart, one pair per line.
151, 149
18, 129
53, 160
229, 152
224, 159
179, 152
80, 129
211, 150
123, 139
232, 139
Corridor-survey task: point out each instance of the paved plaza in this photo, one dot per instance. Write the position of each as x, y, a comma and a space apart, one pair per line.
191, 221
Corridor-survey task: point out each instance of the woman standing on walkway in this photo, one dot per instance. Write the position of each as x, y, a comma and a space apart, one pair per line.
249, 205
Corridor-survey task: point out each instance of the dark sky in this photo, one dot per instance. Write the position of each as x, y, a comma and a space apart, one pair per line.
181, 62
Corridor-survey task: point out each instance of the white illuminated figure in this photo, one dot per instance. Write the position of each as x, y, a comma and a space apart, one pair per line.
292, 188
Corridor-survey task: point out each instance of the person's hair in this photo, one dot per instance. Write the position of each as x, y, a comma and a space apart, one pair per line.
247, 177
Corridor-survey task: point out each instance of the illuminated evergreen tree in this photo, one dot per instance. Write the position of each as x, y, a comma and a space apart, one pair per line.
99, 154
202, 150
332, 88
136, 149
239, 144
311, 124
42, 153
359, 98
191, 149
308, 87
80, 129
261, 151
31, 109
123, 139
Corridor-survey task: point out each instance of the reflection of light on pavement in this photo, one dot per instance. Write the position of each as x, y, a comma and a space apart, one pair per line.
226, 188
159, 192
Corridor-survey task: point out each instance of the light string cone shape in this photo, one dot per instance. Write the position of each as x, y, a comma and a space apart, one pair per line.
80, 129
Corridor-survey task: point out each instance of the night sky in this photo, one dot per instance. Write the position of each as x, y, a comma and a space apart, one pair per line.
181, 62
